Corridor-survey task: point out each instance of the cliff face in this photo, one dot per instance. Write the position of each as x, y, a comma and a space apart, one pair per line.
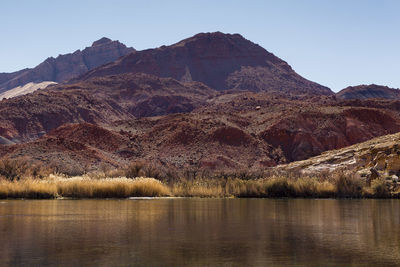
368, 91
66, 67
221, 61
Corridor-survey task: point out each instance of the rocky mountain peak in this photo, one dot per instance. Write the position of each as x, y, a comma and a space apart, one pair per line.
68, 66
101, 41
212, 37
221, 61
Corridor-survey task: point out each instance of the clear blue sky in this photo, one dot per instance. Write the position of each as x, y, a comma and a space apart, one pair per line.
333, 42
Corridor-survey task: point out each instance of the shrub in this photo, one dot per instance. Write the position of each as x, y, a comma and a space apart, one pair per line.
13, 169
134, 170
151, 171
348, 185
379, 188
306, 187
71, 169
279, 187
38, 170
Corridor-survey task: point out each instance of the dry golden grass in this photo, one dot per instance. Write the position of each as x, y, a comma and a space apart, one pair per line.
111, 187
198, 188
98, 185
267, 187
29, 188
83, 187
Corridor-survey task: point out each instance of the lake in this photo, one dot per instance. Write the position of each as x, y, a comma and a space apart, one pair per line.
200, 232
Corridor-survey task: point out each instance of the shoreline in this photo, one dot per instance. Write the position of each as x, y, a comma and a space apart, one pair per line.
141, 188
196, 197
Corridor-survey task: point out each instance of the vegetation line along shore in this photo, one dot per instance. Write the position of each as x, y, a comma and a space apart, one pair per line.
19, 180
86, 187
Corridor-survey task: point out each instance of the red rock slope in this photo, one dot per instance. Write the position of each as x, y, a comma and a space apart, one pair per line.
221, 61
101, 100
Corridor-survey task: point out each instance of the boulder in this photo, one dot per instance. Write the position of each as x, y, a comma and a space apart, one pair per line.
393, 164
372, 176
380, 161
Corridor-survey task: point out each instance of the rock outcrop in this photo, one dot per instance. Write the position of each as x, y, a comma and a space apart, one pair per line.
26, 89
378, 157
66, 67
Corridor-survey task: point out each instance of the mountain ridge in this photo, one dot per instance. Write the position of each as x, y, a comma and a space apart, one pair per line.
214, 101
67, 66
368, 91
220, 61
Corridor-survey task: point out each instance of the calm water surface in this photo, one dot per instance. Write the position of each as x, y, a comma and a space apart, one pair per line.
200, 232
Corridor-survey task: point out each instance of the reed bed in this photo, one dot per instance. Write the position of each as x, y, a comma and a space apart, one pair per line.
17, 181
82, 187
267, 187
339, 186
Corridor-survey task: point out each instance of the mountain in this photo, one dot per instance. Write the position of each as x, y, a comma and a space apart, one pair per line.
178, 116
4, 77
220, 61
368, 91
66, 67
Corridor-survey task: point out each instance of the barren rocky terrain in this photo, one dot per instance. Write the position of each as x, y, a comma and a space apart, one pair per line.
210, 103
378, 157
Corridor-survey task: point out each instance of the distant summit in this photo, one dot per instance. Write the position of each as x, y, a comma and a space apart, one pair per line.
368, 91
221, 61
66, 67
102, 41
